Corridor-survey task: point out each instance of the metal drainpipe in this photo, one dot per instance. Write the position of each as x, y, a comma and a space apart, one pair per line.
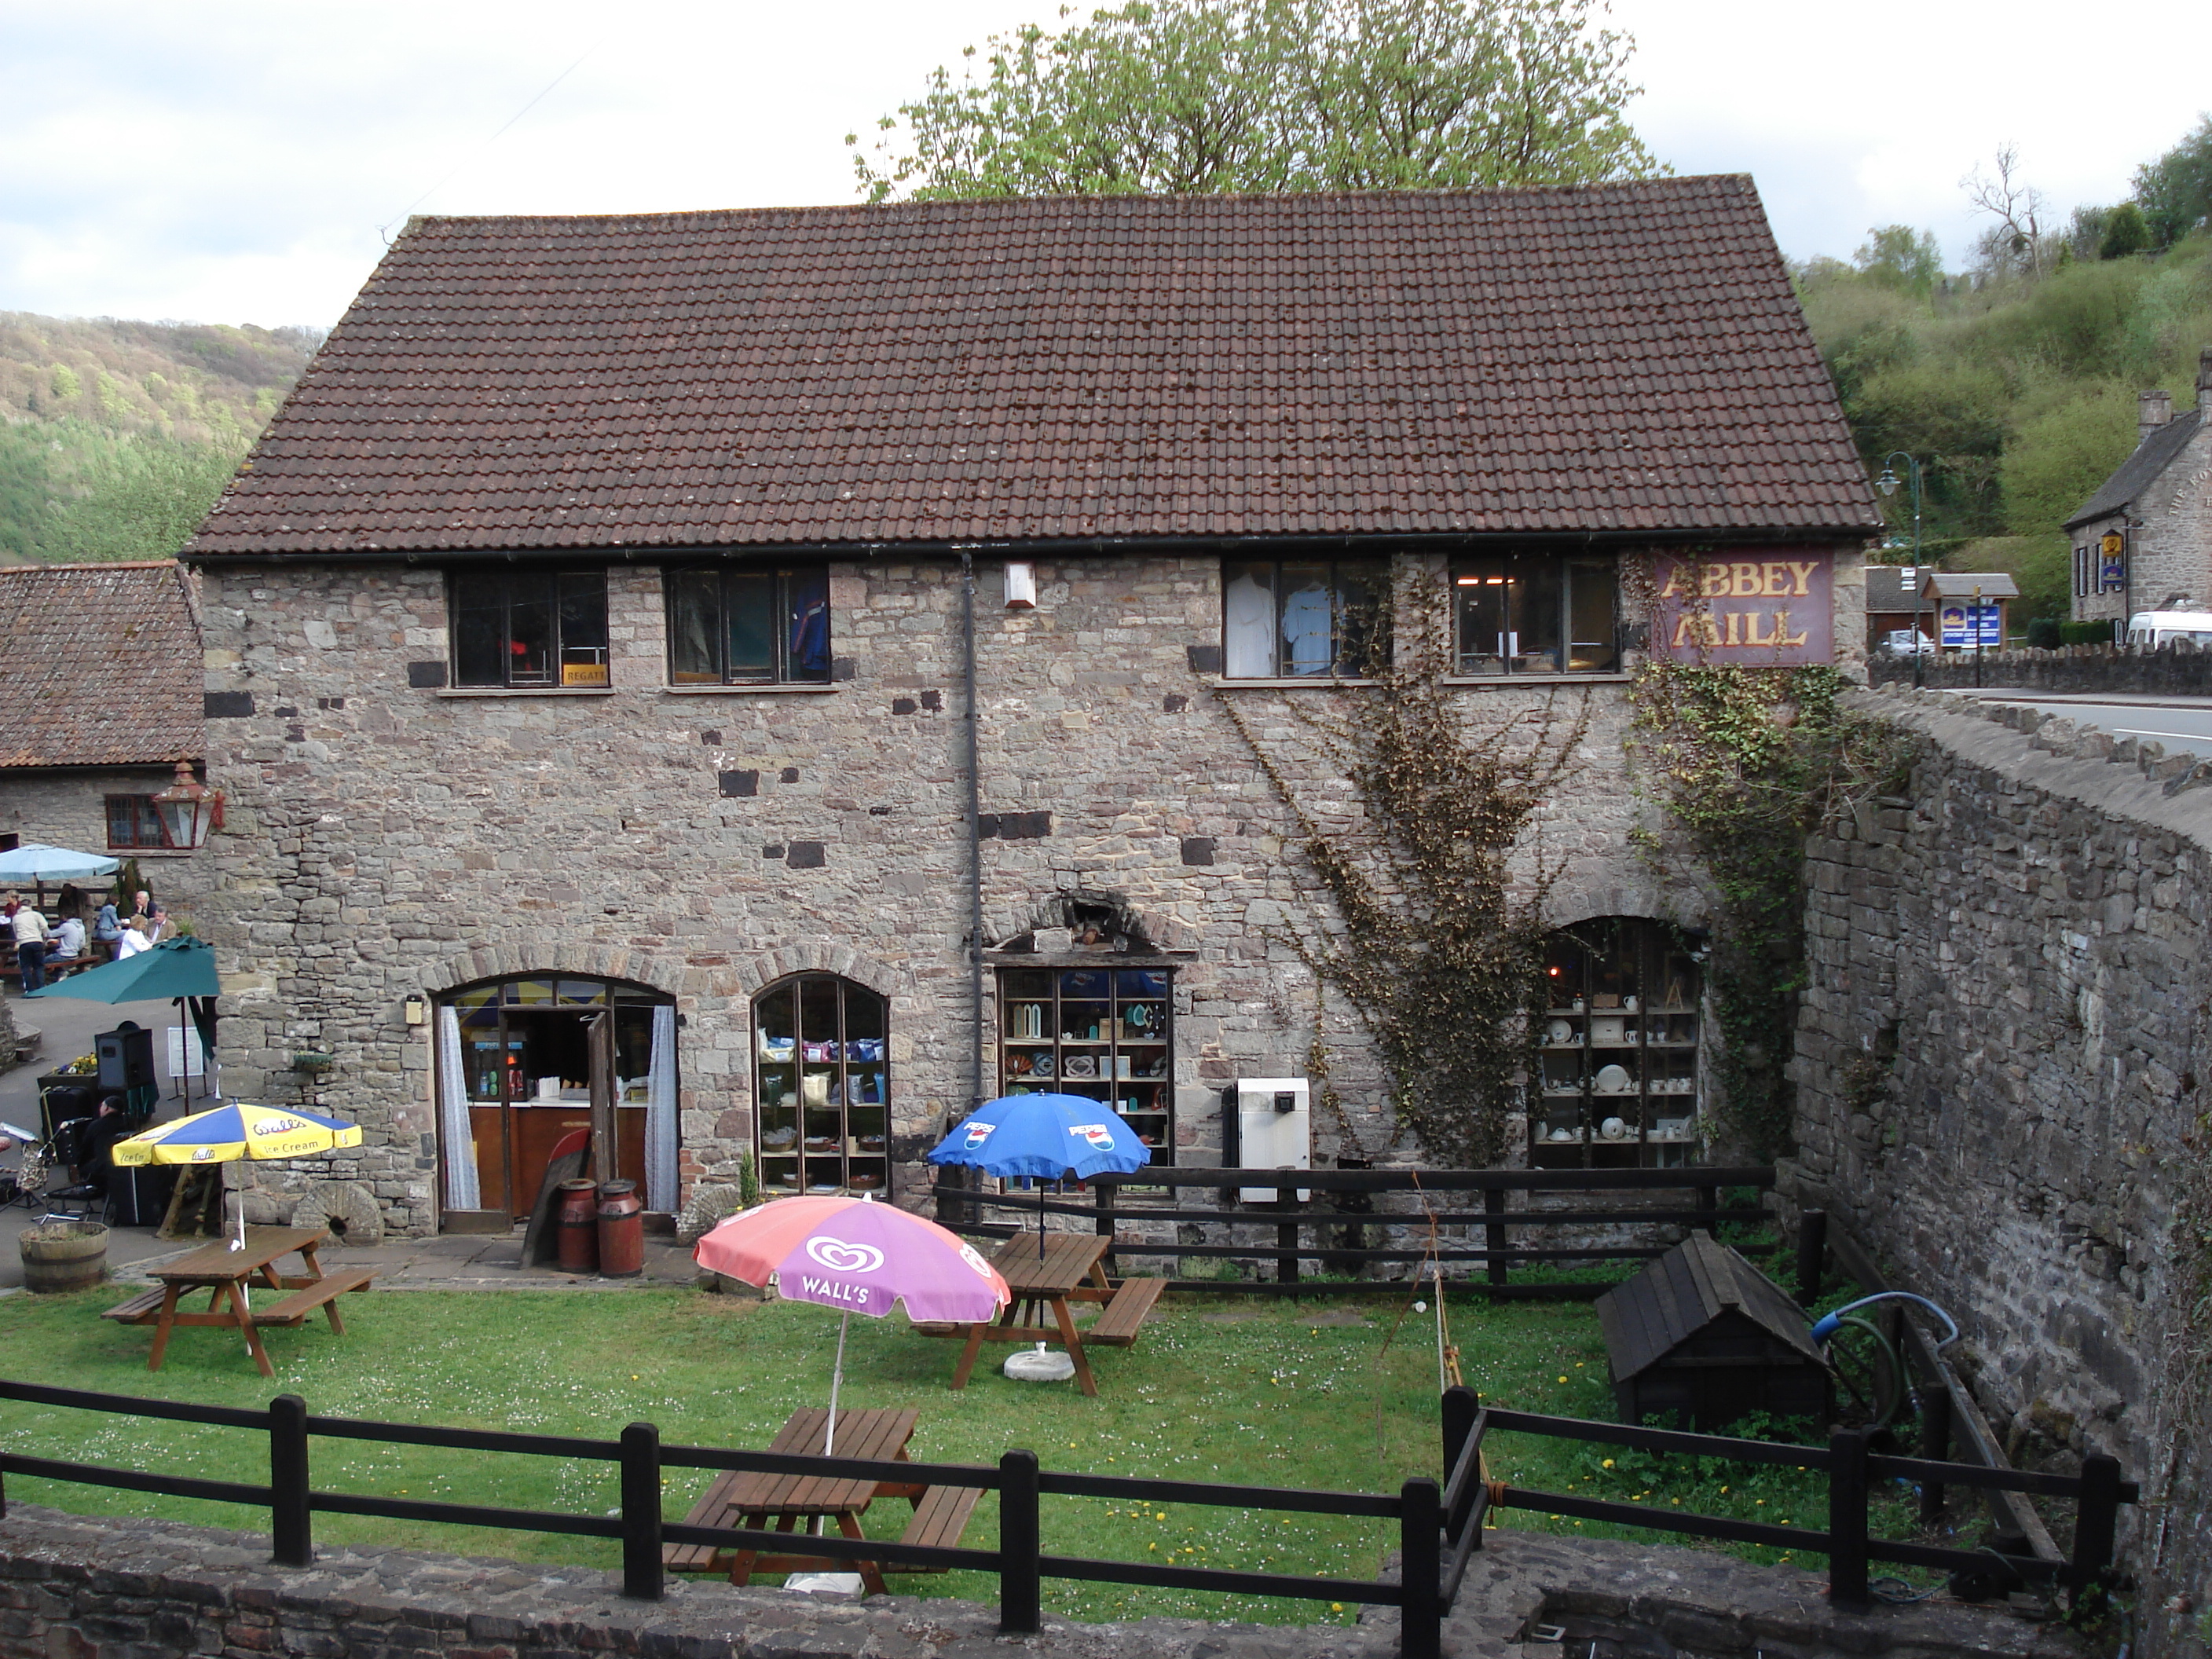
974, 833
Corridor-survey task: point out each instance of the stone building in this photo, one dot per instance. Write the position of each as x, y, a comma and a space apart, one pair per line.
2143, 542
99, 707
765, 680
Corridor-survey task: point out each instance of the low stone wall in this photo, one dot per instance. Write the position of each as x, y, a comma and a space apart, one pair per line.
73, 1587
2178, 671
2001, 1062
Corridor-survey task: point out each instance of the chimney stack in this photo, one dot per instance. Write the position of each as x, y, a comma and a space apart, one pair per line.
2153, 410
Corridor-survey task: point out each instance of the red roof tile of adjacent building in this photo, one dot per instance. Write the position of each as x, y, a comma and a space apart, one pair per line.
1613, 358
99, 666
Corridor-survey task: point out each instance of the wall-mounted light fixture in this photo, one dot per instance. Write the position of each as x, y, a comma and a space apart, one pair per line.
1021, 586
415, 1008
189, 808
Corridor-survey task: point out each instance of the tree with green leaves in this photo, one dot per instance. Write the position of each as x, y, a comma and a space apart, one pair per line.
140, 500
2126, 231
2175, 192
1900, 258
1159, 97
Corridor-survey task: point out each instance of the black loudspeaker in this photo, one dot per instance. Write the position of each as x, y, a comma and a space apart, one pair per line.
138, 1195
126, 1057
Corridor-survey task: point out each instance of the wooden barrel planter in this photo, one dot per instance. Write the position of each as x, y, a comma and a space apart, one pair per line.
64, 1256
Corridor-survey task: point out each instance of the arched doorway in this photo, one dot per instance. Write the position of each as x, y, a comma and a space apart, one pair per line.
521, 1062
821, 1086
1619, 1082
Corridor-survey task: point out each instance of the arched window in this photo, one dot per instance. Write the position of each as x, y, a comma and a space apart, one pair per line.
1619, 1074
821, 1086
519, 1061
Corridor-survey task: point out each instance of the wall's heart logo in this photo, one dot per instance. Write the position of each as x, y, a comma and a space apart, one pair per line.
839, 1257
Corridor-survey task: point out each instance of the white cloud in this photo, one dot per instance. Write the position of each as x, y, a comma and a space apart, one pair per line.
234, 164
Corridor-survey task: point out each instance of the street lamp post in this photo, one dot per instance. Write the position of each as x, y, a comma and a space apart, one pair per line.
1887, 484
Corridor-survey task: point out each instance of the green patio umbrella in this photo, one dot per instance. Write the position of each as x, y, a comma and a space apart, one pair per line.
180, 970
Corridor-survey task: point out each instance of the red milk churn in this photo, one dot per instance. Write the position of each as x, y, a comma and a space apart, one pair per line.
579, 1231
622, 1229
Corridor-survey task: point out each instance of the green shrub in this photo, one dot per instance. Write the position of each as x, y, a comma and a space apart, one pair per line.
2085, 633
2045, 634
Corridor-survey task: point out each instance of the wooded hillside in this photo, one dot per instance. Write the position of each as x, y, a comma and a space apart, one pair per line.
115, 437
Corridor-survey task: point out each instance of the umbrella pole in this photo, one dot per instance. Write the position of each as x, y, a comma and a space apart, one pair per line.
836, 1377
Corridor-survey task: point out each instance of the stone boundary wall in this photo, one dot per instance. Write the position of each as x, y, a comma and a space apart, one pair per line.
2001, 1062
80, 1586
2178, 670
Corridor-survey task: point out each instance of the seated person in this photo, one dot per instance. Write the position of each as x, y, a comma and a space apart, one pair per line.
69, 938
91, 1141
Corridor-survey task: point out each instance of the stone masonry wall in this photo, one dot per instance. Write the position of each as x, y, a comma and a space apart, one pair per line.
2180, 670
2172, 546
2005, 1045
386, 838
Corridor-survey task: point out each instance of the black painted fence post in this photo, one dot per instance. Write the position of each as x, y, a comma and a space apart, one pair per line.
1020, 1600
1420, 1570
640, 1513
1812, 1255
2098, 1520
1847, 1521
1934, 1445
1493, 1234
1461, 1405
291, 1522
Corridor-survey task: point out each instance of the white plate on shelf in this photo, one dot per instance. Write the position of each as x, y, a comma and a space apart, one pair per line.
1613, 1081
1559, 1034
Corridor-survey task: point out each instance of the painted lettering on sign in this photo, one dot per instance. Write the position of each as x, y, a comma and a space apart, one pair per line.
1774, 610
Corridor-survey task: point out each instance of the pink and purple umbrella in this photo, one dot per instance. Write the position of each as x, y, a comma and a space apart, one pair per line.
857, 1256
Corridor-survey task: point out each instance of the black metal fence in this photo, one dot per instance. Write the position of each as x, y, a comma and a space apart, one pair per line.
1439, 1529
1329, 1228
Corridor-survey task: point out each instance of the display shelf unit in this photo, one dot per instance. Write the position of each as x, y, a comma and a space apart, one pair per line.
1106, 1033
1617, 1082
821, 1086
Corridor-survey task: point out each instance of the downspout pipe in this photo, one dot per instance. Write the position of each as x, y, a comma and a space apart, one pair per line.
974, 739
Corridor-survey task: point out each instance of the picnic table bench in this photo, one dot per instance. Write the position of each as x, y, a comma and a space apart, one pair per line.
749, 1500
228, 1276
1050, 1273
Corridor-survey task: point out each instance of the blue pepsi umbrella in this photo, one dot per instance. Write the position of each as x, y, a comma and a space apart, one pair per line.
1047, 1137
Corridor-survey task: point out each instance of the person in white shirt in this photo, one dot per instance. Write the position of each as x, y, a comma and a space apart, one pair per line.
69, 938
31, 936
134, 939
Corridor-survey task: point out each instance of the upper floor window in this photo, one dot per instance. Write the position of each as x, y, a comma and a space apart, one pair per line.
744, 625
1536, 613
527, 628
133, 821
1288, 618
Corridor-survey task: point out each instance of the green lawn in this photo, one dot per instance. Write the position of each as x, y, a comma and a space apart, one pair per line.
1245, 1389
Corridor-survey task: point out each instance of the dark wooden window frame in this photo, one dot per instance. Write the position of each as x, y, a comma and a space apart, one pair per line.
576, 645
1350, 656
146, 833
1481, 573
782, 591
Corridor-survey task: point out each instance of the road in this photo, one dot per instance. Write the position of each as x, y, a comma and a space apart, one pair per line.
2182, 723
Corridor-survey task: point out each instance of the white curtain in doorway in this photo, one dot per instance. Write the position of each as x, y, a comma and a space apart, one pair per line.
660, 1125
455, 1133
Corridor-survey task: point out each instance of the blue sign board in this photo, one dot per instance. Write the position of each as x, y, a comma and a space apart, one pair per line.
1968, 625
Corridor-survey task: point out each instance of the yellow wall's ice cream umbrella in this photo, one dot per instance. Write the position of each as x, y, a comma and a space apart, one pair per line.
237, 1131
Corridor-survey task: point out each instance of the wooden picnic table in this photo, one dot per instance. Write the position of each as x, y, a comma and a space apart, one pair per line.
749, 1499
1067, 1268
230, 1276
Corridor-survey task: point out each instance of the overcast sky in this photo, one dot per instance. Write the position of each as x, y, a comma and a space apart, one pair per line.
234, 163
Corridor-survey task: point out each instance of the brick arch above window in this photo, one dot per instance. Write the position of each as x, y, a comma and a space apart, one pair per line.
654, 971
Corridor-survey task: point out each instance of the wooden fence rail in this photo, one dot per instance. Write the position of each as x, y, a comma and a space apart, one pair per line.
1340, 1201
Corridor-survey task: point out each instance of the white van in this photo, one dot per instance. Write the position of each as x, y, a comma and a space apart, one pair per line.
2157, 627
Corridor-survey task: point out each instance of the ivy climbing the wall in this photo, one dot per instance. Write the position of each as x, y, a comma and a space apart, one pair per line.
1750, 762
1435, 939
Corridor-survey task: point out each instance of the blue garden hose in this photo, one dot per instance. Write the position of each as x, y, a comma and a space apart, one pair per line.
1825, 1326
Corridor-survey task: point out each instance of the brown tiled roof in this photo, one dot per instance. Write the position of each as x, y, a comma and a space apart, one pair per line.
1618, 357
99, 666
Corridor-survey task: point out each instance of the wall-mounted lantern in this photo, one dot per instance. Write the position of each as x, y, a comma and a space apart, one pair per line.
189, 810
415, 1008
